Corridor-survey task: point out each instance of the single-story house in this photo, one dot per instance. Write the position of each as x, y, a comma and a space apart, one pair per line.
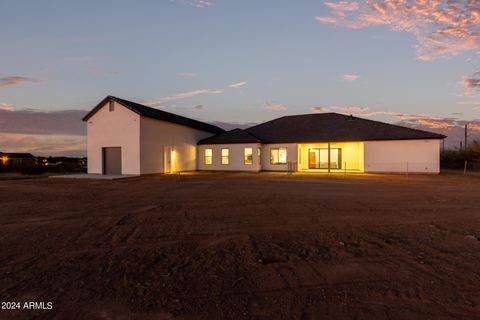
125, 137
12, 158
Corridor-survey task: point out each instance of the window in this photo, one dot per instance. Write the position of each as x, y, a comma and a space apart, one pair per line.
248, 159
208, 156
225, 156
111, 106
259, 156
318, 158
278, 155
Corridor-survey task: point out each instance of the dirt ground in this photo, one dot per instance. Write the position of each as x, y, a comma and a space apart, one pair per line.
242, 246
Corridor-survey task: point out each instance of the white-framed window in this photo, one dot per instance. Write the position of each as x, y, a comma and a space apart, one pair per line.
248, 156
111, 106
225, 156
278, 156
208, 156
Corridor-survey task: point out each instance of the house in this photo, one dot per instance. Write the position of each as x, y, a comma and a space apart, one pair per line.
129, 138
16, 159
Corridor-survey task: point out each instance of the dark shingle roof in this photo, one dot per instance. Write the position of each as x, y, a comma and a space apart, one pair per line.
18, 155
157, 114
232, 136
325, 127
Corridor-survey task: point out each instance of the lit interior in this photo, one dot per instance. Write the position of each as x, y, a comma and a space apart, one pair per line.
344, 156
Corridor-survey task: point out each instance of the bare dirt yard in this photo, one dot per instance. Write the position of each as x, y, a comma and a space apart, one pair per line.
242, 246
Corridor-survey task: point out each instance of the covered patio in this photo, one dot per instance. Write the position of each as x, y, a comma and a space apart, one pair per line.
331, 157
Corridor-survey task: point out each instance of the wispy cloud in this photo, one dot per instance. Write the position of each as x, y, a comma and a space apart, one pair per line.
11, 81
164, 101
237, 85
441, 27
66, 122
197, 3
6, 106
275, 106
187, 74
319, 109
199, 107
350, 77
363, 111
44, 145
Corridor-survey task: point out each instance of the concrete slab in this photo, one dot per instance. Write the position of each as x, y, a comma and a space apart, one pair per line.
95, 176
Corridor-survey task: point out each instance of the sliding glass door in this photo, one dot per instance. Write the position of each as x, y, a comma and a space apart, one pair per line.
318, 158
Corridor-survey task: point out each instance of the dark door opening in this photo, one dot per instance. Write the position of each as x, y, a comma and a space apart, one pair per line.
112, 160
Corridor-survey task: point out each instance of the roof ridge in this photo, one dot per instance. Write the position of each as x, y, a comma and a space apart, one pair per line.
158, 114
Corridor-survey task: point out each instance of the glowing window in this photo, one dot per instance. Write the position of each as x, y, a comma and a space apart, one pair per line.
225, 156
259, 155
248, 158
208, 156
278, 155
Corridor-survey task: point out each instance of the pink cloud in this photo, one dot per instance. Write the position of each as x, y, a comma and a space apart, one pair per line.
350, 77
11, 81
237, 85
6, 106
319, 109
441, 27
275, 106
164, 101
44, 145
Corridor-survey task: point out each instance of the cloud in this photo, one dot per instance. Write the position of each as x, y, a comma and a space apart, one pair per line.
11, 81
441, 27
197, 3
363, 111
100, 71
275, 106
237, 85
319, 109
199, 107
164, 101
44, 145
66, 122
6, 106
187, 74
350, 77
201, 3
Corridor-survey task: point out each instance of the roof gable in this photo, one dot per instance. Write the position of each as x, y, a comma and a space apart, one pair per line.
156, 114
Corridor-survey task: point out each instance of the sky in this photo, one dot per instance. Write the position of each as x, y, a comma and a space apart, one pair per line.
236, 63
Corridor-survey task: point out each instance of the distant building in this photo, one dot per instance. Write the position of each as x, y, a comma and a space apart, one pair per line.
17, 158
125, 137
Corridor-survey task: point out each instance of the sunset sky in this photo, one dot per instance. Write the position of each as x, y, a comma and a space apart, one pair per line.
236, 62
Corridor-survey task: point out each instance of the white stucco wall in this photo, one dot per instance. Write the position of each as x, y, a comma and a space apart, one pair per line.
156, 134
236, 157
292, 156
419, 156
120, 128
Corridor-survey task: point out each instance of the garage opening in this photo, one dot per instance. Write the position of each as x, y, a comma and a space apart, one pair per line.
112, 160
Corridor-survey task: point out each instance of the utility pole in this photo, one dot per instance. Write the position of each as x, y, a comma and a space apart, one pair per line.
465, 136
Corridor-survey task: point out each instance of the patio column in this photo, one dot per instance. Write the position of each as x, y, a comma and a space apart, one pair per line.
329, 157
